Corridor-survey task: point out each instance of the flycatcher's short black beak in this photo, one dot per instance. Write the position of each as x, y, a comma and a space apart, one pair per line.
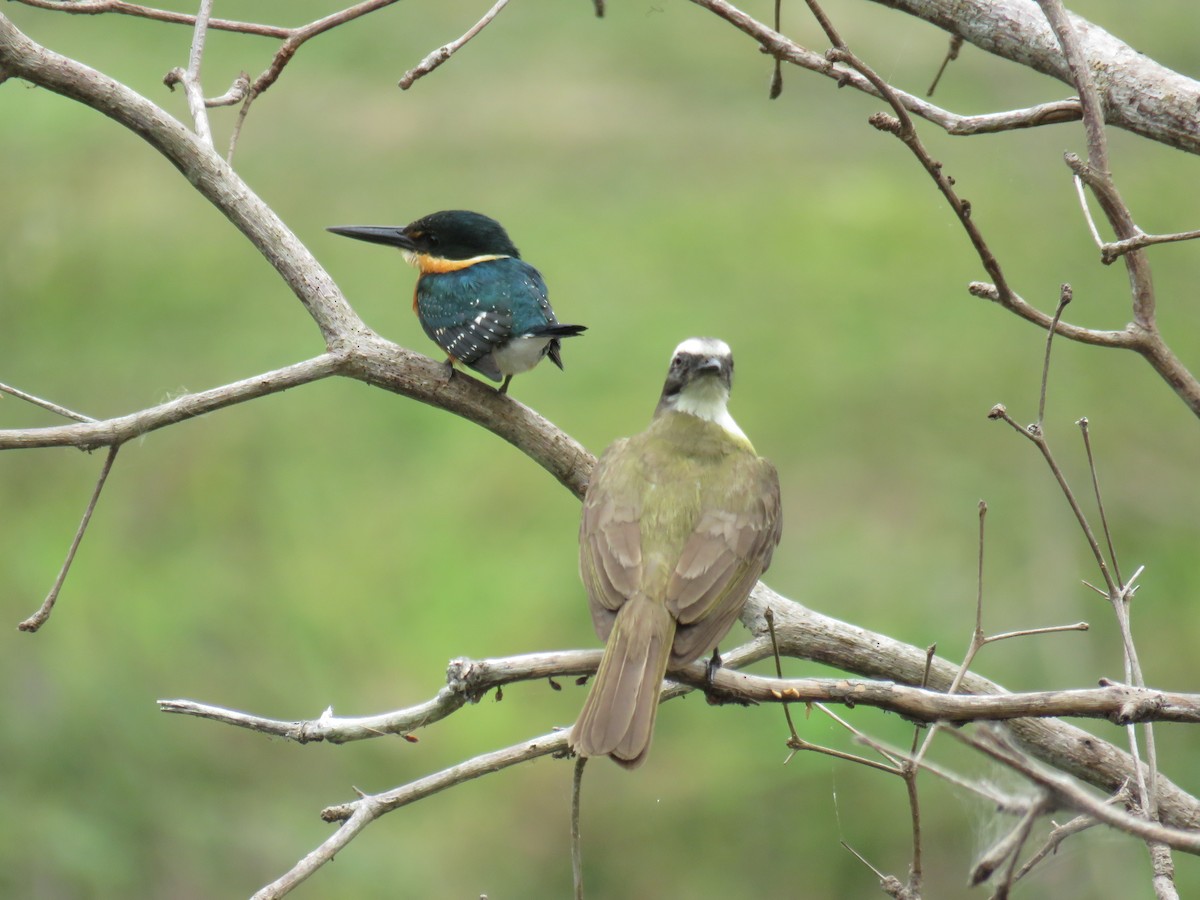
711, 366
389, 235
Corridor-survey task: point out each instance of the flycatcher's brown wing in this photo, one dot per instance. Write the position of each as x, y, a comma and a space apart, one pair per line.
729, 549
610, 540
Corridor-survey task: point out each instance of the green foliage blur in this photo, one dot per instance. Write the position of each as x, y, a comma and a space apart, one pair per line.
336, 545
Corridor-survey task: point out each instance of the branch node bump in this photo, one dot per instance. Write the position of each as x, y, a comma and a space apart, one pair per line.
885, 122
1137, 709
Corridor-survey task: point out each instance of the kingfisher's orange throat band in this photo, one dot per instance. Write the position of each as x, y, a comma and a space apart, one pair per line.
434, 265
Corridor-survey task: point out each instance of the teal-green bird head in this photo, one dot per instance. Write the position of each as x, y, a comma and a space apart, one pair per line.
442, 241
475, 297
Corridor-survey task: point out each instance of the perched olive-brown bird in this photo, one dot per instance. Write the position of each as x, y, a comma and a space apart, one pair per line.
678, 524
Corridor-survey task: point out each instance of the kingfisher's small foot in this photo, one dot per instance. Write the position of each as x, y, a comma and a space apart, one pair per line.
503, 389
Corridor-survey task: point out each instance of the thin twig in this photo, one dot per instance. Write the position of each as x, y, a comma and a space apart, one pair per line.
798, 744
1029, 632
1110, 252
787, 712
1035, 434
358, 814
576, 838
777, 69
1053, 840
1064, 297
889, 884
1112, 550
956, 42
38, 619
1008, 847
195, 91
1087, 211
235, 95
96, 7
44, 404
443, 53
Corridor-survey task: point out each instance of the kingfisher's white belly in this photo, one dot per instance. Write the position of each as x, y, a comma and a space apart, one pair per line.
520, 354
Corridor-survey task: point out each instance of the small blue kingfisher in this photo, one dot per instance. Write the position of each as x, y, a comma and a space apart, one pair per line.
475, 297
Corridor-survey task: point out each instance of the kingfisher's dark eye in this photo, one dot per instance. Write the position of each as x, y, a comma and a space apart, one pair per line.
431, 239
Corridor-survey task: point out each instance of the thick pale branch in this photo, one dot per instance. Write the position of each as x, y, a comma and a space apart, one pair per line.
388, 366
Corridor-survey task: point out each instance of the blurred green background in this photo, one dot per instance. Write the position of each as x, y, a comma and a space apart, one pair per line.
336, 545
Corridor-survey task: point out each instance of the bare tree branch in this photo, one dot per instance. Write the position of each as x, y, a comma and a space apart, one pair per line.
120, 7
1012, 30
810, 635
92, 434
805, 634
468, 680
1126, 79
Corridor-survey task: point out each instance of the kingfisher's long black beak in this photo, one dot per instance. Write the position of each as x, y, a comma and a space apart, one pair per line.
389, 235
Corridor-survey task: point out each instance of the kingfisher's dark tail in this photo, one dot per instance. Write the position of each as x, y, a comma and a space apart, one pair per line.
558, 331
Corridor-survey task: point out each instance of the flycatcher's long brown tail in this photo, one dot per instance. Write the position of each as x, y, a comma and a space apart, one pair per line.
618, 715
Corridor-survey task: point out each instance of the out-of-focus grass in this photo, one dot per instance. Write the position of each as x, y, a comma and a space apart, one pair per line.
336, 545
